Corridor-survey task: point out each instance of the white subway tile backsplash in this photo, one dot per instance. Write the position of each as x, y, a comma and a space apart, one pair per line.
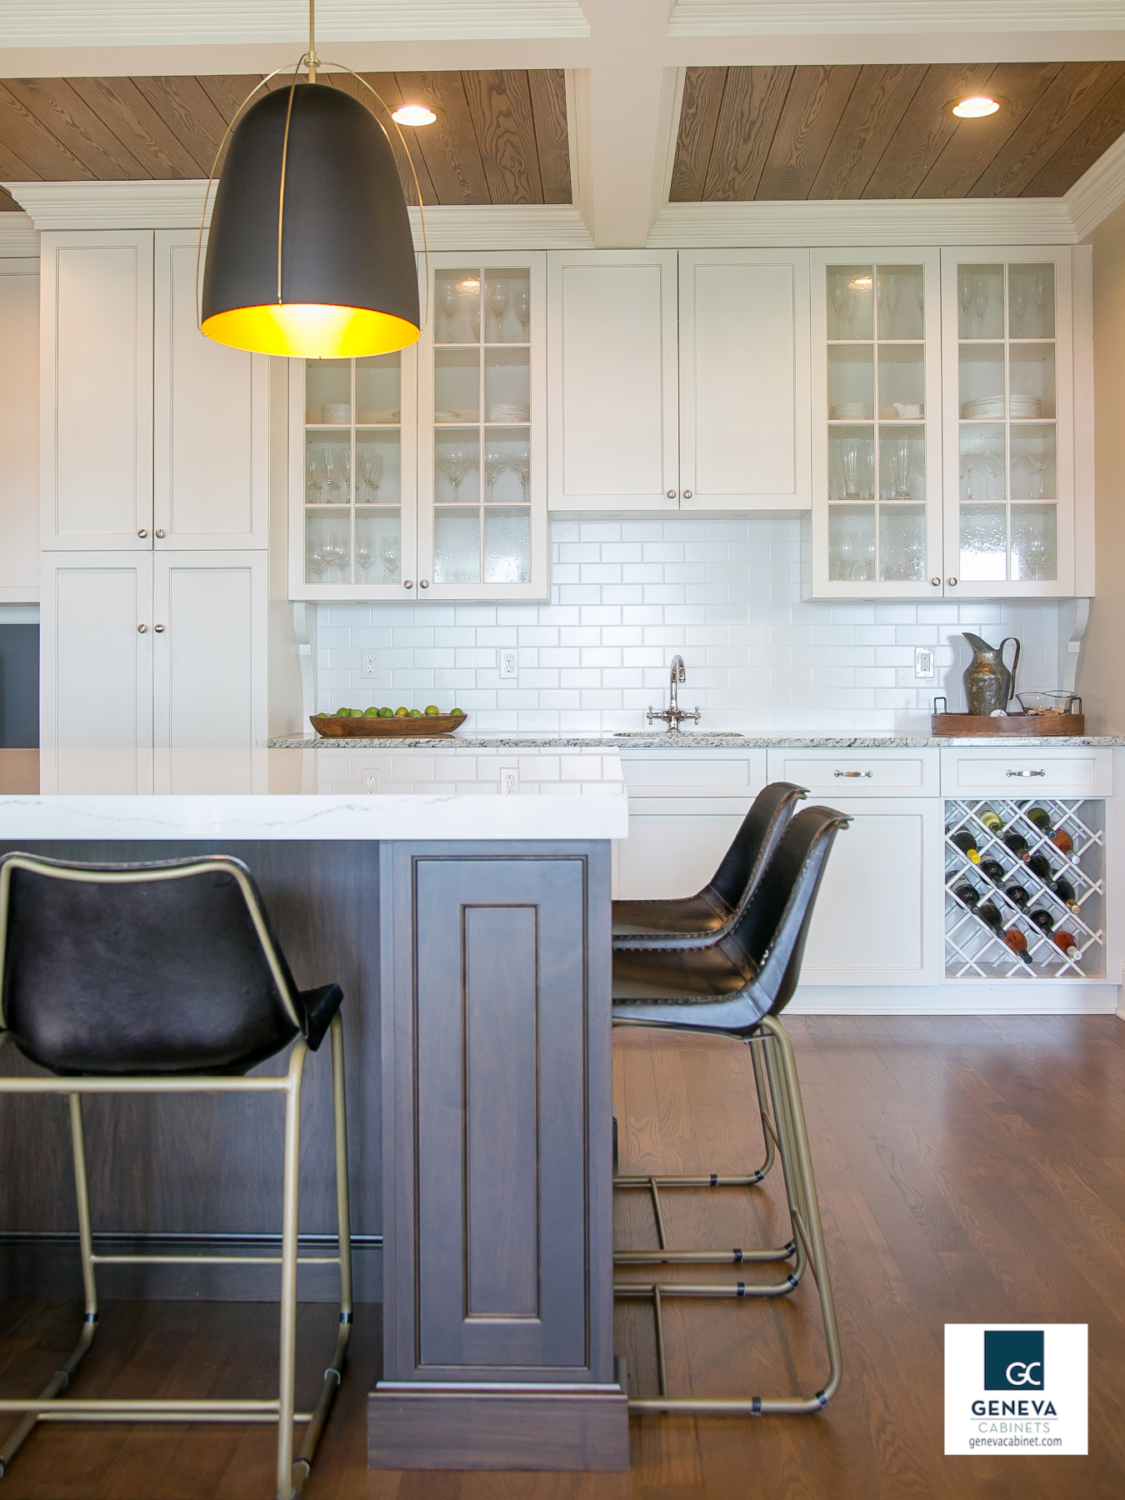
628, 595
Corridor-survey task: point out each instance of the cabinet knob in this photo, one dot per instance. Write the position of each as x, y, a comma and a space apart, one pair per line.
936, 582
424, 583
407, 584
159, 629
141, 629
671, 494
952, 582
687, 495
158, 532
142, 533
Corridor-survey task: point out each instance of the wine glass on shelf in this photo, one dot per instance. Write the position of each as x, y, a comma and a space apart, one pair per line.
455, 463
1038, 463
966, 304
850, 453
1019, 305
521, 306
339, 550
980, 304
839, 292
364, 556
520, 465
499, 300
317, 559
1041, 297
495, 462
390, 556
890, 293
370, 472
900, 469
447, 301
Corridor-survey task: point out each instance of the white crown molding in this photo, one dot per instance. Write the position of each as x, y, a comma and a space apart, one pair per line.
671, 104
1098, 191
909, 221
137, 23
18, 235
841, 17
177, 205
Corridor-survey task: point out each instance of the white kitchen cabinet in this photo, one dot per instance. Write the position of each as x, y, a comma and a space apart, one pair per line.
150, 651
678, 381
96, 390
745, 425
1009, 402
211, 425
19, 431
612, 381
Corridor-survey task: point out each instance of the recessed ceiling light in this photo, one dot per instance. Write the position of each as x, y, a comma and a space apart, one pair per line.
976, 107
414, 114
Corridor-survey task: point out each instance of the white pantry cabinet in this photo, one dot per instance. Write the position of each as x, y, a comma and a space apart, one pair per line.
144, 652
678, 381
152, 436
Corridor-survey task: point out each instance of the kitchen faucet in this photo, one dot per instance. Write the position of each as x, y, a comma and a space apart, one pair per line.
673, 715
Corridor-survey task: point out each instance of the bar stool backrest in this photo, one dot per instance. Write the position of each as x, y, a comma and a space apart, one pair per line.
169, 967
768, 942
753, 845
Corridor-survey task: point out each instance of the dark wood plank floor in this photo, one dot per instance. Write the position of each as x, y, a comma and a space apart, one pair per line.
970, 1171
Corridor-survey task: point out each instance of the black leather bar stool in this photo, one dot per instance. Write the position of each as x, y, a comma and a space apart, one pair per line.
166, 978
694, 921
736, 987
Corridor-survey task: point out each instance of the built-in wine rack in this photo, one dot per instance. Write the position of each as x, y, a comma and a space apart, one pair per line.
973, 950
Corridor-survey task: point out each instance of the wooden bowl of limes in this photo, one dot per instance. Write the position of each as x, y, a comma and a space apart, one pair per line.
386, 723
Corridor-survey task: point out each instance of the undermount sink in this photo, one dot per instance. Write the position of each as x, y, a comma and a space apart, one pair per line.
676, 734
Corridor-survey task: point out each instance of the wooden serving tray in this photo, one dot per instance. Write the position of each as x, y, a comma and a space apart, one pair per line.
977, 726
332, 727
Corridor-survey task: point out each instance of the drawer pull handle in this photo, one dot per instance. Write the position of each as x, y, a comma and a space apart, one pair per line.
851, 773
1025, 773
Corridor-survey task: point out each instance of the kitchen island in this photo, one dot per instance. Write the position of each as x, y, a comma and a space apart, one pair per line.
470, 933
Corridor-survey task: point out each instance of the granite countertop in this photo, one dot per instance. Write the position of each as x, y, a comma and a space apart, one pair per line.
695, 740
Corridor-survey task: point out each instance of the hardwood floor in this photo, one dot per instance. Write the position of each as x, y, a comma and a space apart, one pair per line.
970, 1170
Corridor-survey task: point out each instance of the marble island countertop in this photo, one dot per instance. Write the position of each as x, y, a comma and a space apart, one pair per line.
693, 740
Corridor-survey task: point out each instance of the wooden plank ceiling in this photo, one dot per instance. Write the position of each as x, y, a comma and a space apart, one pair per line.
884, 132
500, 137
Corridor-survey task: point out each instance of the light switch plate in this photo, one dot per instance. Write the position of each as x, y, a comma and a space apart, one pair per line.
509, 662
924, 661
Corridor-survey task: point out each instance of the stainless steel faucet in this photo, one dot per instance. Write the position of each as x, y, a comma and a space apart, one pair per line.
673, 715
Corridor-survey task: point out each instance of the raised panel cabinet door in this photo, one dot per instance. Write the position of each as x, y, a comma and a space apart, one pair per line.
745, 429
877, 919
496, 1114
612, 405
19, 432
211, 430
209, 679
96, 390
96, 672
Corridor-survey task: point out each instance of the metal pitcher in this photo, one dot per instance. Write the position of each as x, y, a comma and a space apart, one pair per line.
989, 684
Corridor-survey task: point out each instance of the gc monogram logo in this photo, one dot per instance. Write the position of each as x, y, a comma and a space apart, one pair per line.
1013, 1360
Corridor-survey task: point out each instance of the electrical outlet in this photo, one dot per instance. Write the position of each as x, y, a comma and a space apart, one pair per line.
509, 781
509, 662
373, 781
369, 663
923, 661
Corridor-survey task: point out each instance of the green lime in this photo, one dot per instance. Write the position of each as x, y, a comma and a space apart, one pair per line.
386, 713
400, 713
432, 710
415, 713
371, 713
458, 712
343, 713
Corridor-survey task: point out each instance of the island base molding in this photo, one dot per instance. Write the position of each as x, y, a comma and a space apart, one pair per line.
411, 1425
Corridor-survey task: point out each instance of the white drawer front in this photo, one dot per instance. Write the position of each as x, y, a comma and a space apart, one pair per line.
1025, 773
715, 773
856, 773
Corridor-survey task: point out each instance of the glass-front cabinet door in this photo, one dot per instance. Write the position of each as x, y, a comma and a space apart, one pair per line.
482, 523
1009, 465
876, 514
353, 478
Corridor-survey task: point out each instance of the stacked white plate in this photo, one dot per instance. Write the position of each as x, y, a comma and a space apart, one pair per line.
1026, 406
851, 411
984, 409
508, 411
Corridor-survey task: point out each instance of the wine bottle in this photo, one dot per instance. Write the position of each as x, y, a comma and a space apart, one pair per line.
991, 819
1039, 865
967, 893
993, 869
967, 844
1065, 940
1066, 892
1017, 943
1040, 817
1017, 895
990, 916
1041, 918
1017, 844
1062, 841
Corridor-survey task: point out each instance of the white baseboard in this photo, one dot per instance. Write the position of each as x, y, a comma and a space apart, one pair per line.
1015, 999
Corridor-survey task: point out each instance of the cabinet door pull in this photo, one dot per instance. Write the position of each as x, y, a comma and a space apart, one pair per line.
424, 583
407, 584
671, 494
952, 582
158, 532
687, 494
159, 629
852, 773
936, 582
141, 629
142, 533
1025, 773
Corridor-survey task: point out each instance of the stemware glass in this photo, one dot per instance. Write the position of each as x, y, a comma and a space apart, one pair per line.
839, 292
495, 462
522, 309
499, 299
849, 459
1019, 304
520, 465
1041, 297
980, 304
364, 556
370, 472
455, 463
900, 469
891, 290
448, 301
317, 560
339, 553
338, 463
389, 556
966, 300
1038, 463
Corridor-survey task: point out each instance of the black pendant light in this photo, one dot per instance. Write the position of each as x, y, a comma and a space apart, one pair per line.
310, 252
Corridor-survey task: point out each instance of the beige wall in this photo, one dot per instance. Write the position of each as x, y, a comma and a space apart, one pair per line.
1102, 683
